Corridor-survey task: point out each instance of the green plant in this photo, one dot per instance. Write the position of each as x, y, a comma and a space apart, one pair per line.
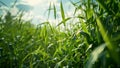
91, 42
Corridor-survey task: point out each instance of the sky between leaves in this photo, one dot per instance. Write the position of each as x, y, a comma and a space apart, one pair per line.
37, 9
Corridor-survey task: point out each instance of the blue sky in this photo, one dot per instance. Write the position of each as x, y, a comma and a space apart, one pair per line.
37, 9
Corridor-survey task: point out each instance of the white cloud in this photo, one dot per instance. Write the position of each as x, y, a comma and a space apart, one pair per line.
37, 2
28, 15
14, 11
32, 2
70, 14
40, 6
54, 22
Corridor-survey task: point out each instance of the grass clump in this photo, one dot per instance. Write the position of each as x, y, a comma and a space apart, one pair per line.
91, 42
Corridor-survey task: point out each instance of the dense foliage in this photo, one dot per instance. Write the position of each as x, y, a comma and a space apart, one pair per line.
92, 42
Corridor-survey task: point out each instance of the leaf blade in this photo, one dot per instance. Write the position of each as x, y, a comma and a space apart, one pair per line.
54, 11
62, 11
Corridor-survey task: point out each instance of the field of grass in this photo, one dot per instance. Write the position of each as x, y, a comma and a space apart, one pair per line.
92, 42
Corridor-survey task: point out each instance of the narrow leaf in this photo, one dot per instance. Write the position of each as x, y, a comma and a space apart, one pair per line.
49, 10
54, 11
108, 41
94, 56
89, 13
64, 21
62, 11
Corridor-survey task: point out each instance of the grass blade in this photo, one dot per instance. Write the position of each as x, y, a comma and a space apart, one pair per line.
108, 42
54, 11
62, 11
64, 21
49, 10
94, 56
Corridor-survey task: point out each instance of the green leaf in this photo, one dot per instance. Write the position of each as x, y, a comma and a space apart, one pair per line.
109, 43
54, 11
103, 5
85, 34
104, 34
64, 21
62, 11
49, 10
88, 4
94, 56
89, 13
14, 3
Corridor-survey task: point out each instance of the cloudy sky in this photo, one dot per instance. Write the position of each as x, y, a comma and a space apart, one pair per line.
37, 9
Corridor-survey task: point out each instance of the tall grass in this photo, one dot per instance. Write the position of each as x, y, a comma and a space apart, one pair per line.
91, 42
